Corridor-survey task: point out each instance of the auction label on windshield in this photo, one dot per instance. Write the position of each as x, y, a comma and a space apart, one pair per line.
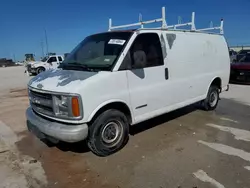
117, 41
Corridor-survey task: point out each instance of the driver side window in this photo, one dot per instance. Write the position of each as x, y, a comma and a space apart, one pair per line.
52, 59
145, 52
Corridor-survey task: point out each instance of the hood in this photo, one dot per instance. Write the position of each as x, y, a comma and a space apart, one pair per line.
242, 66
68, 81
34, 62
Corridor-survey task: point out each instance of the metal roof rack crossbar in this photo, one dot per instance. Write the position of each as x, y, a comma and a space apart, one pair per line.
165, 26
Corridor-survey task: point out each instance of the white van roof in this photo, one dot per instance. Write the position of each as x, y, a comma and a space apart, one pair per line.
169, 27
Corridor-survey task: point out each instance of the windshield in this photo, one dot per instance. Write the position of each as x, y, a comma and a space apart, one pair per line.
245, 59
98, 51
242, 57
243, 52
44, 59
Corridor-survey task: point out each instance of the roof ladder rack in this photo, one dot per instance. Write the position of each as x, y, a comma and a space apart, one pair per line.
164, 24
141, 23
221, 28
192, 24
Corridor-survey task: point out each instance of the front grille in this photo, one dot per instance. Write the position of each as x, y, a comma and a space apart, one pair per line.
41, 102
41, 95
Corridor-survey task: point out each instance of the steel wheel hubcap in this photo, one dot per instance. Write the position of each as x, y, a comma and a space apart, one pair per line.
112, 132
213, 99
40, 70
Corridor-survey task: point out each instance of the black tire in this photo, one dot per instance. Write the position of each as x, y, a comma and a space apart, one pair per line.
101, 140
211, 102
39, 70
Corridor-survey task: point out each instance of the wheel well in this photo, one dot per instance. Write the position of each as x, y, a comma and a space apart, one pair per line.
217, 82
40, 68
122, 107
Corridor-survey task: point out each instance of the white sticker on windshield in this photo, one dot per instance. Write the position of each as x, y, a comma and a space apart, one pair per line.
117, 41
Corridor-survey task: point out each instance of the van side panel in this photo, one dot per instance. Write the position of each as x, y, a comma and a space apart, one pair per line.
195, 59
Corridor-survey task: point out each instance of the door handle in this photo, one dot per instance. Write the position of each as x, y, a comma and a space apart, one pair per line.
166, 74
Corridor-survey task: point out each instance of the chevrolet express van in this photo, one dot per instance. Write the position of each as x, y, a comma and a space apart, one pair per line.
114, 80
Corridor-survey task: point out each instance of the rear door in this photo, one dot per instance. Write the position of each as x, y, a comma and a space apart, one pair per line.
146, 77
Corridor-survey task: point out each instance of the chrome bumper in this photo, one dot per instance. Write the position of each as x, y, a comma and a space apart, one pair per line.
56, 130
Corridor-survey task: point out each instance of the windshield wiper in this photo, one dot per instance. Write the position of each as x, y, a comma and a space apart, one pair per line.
75, 65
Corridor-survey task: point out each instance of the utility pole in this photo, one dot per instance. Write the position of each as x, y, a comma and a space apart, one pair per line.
46, 40
14, 57
211, 24
179, 20
42, 49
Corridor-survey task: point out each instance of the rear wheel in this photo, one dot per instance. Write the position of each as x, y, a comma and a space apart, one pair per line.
40, 69
108, 133
211, 102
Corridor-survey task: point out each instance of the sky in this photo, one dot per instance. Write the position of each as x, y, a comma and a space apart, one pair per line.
67, 22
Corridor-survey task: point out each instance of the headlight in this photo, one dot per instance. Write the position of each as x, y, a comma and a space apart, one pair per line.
32, 66
67, 106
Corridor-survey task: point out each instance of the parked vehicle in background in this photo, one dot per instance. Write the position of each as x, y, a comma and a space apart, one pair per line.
113, 80
240, 55
233, 55
243, 52
6, 62
240, 70
21, 63
47, 63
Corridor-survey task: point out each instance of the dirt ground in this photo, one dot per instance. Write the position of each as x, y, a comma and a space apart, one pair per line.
187, 148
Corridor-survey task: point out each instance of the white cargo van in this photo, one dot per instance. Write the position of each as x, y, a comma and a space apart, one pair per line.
116, 79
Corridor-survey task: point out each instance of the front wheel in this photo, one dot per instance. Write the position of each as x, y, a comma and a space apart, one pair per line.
108, 133
39, 70
211, 102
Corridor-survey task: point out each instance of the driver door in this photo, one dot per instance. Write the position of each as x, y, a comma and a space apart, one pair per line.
146, 77
53, 62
